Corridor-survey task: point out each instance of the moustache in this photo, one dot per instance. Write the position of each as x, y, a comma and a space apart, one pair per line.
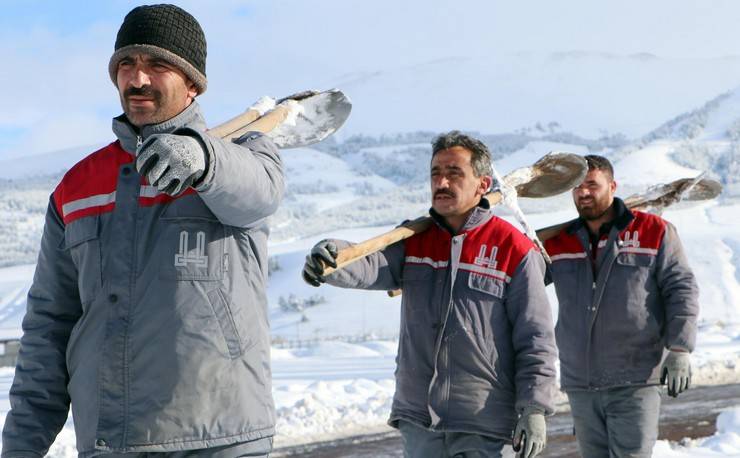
144, 91
445, 192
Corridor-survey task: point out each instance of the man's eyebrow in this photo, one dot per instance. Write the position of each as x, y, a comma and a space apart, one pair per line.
159, 61
447, 167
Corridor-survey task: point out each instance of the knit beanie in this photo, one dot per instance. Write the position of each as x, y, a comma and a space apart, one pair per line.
166, 32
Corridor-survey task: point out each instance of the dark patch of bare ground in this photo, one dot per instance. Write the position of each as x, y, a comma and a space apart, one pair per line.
691, 415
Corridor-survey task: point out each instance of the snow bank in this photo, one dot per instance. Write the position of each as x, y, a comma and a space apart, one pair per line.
725, 442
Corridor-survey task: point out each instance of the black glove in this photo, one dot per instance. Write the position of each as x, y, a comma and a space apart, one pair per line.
322, 254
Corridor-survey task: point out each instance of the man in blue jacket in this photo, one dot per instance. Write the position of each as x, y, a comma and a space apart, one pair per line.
147, 310
628, 305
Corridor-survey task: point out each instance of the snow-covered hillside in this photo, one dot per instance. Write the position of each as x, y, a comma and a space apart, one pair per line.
583, 91
707, 138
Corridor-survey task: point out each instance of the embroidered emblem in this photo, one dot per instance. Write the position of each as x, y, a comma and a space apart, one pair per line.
198, 256
631, 241
482, 260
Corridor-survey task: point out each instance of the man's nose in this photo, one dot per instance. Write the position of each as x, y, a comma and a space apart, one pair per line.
140, 78
443, 182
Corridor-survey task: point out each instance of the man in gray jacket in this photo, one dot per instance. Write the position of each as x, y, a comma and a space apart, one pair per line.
147, 310
628, 308
476, 350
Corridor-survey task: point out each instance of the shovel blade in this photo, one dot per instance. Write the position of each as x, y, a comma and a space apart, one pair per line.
660, 196
323, 114
554, 174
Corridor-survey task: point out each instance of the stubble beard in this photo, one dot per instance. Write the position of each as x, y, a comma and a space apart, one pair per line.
595, 211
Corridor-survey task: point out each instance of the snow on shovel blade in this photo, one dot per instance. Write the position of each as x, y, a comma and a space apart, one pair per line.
323, 113
554, 174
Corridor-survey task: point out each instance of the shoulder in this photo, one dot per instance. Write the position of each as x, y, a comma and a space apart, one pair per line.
564, 241
498, 245
95, 174
648, 221
510, 236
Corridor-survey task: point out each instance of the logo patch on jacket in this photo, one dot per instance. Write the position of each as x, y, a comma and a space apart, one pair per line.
632, 241
198, 256
486, 261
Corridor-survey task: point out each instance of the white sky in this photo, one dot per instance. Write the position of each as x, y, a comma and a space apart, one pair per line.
57, 93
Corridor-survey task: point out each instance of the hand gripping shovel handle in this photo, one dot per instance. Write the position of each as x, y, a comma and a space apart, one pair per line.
360, 250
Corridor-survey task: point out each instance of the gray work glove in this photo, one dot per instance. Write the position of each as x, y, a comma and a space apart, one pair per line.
676, 372
322, 254
171, 162
530, 434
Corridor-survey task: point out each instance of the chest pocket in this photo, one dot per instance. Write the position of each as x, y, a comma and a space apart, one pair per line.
192, 242
82, 242
635, 260
488, 285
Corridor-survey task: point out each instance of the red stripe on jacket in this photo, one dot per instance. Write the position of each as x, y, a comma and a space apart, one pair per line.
95, 175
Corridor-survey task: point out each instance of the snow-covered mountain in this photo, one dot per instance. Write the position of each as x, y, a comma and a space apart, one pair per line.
583, 91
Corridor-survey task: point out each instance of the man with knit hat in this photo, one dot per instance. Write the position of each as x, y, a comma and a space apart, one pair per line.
147, 311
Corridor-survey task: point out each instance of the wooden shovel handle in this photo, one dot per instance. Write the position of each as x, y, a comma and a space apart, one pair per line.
234, 124
360, 250
264, 124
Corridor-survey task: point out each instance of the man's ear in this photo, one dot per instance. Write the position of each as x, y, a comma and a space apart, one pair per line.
613, 186
192, 90
485, 184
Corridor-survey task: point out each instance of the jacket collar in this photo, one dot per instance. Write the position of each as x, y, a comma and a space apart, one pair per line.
623, 217
480, 215
130, 136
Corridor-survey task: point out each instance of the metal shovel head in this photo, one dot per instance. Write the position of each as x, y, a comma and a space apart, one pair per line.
705, 189
323, 113
684, 189
554, 174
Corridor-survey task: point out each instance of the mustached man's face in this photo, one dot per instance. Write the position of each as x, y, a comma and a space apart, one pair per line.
595, 195
455, 188
151, 89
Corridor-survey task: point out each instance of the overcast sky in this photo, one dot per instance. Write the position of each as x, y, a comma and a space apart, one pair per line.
54, 55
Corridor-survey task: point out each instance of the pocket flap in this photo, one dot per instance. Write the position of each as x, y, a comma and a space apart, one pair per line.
80, 231
635, 260
486, 284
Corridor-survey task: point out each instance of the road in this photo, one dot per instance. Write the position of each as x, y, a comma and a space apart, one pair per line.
692, 415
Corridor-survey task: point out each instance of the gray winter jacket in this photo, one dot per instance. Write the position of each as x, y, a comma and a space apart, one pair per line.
612, 329
148, 312
476, 342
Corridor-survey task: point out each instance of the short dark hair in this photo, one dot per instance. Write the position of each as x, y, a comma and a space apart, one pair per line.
480, 157
596, 162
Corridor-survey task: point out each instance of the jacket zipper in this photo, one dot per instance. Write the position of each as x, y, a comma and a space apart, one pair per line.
445, 384
594, 308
